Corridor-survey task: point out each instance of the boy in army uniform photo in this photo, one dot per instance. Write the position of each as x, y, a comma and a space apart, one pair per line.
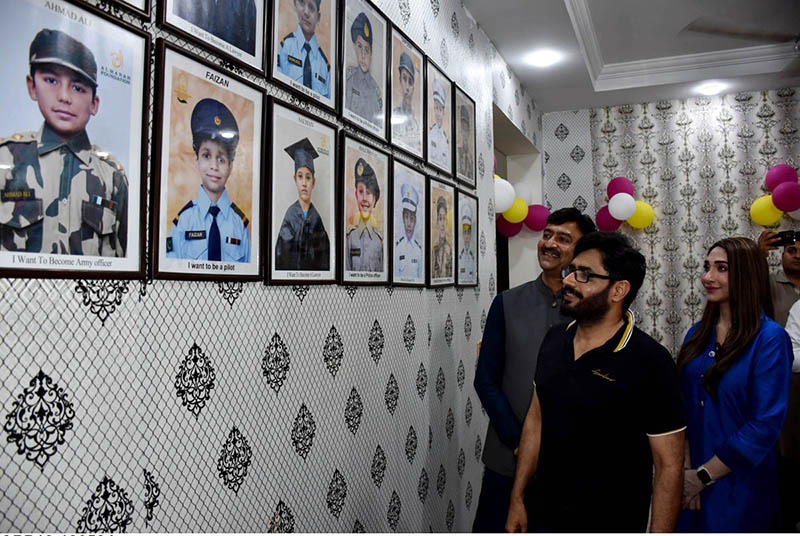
363, 96
442, 250
300, 56
364, 245
211, 227
60, 194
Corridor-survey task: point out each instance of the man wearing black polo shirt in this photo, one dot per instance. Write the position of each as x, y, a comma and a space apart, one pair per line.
606, 409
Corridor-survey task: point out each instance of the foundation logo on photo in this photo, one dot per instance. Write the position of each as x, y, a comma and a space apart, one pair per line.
181, 90
323, 148
115, 70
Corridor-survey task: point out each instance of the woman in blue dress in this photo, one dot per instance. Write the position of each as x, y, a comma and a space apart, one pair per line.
735, 369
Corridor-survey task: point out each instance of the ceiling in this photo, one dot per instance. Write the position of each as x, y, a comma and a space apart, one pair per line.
628, 51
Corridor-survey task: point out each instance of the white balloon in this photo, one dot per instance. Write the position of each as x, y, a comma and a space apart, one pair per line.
504, 195
525, 191
795, 214
622, 206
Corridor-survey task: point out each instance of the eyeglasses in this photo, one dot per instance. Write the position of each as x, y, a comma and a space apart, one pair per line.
582, 275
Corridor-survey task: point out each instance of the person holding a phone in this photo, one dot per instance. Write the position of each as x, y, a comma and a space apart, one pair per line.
785, 286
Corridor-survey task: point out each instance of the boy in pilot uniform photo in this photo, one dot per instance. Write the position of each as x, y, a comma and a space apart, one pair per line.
407, 250
211, 227
438, 143
59, 193
404, 124
364, 245
300, 56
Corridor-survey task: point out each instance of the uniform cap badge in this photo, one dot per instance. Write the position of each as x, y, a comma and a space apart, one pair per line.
366, 30
360, 169
217, 120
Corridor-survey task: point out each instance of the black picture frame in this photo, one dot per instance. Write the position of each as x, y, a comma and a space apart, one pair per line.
467, 262
446, 164
333, 230
217, 83
349, 169
461, 98
76, 18
440, 277
419, 79
404, 252
207, 39
345, 43
142, 12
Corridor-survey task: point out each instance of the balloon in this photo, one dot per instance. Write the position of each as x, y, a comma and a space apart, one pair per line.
619, 185
786, 196
605, 221
779, 174
517, 212
622, 206
536, 220
795, 214
503, 194
524, 191
764, 212
506, 228
643, 216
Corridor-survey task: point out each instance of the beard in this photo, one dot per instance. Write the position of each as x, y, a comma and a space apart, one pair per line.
587, 310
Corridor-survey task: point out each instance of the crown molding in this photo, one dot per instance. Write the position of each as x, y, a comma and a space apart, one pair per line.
587, 38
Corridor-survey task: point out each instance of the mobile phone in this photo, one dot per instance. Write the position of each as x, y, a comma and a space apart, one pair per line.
786, 238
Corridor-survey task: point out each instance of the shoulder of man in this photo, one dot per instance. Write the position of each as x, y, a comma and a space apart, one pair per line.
107, 158
19, 137
186, 207
289, 36
239, 212
646, 347
378, 234
402, 238
324, 58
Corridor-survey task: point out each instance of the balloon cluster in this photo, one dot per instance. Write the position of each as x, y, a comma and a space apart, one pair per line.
513, 211
782, 182
623, 207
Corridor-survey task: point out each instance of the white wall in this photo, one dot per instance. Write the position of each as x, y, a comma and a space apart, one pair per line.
525, 173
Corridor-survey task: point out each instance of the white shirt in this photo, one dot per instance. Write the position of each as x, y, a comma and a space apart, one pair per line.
793, 329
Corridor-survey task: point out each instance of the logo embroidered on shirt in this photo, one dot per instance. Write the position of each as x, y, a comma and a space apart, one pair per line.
597, 372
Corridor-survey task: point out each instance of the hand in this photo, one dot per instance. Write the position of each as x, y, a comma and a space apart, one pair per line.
691, 489
517, 520
694, 504
516, 451
766, 241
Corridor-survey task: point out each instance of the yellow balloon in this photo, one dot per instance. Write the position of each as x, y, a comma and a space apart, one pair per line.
517, 212
764, 212
643, 216
496, 176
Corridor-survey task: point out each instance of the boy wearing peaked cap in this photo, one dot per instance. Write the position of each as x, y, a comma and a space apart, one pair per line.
59, 193
303, 243
300, 56
438, 143
211, 227
465, 160
407, 250
466, 259
362, 95
404, 123
364, 246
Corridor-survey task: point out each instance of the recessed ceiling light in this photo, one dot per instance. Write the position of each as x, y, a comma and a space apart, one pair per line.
711, 88
544, 57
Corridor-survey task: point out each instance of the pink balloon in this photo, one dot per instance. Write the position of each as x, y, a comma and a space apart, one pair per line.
506, 228
619, 185
605, 221
537, 217
779, 174
786, 196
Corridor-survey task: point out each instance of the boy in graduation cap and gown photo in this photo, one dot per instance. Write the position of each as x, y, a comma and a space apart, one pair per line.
364, 247
303, 243
211, 227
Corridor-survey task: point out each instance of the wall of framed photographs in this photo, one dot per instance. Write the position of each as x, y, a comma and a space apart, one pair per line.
255, 384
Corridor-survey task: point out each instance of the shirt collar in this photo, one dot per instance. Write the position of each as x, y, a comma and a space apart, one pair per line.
49, 141
546, 291
302, 39
621, 337
203, 202
780, 277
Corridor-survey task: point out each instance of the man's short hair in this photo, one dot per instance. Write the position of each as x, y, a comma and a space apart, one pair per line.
572, 215
620, 259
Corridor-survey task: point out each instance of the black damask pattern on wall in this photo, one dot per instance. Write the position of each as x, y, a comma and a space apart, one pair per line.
109, 509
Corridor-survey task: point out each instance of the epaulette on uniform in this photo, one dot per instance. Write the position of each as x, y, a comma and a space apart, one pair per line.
239, 211
287, 37
379, 234
19, 137
327, 63
418, 244
110, 160
186, 207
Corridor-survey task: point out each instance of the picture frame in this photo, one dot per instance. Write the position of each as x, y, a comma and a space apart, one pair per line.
364, 248
364, 67
464, 138
98, 228
438, 118
140, 7
209, 154
234, 30
303, 223
288, 40
407, 95
409, 225
467, 232
441, 233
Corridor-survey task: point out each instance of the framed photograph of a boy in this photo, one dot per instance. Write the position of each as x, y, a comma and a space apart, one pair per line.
207, 168
73, 146
438, 118
364, 79
234, 29
408, 225
441, 234
364, 242
466, 239
464, 111
304, 52
302, 204
407, 97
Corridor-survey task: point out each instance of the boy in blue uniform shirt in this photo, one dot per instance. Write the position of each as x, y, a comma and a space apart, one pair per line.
211, 227
300, 56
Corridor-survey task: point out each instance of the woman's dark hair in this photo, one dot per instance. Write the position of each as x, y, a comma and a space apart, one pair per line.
748, 295
620, 259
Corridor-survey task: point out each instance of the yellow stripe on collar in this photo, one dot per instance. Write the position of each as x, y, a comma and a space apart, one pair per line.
626, 335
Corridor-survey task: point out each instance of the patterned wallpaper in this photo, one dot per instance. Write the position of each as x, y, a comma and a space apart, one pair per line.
700, 162
197, 406
568, 161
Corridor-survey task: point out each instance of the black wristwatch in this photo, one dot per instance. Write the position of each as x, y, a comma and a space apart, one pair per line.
704, 476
